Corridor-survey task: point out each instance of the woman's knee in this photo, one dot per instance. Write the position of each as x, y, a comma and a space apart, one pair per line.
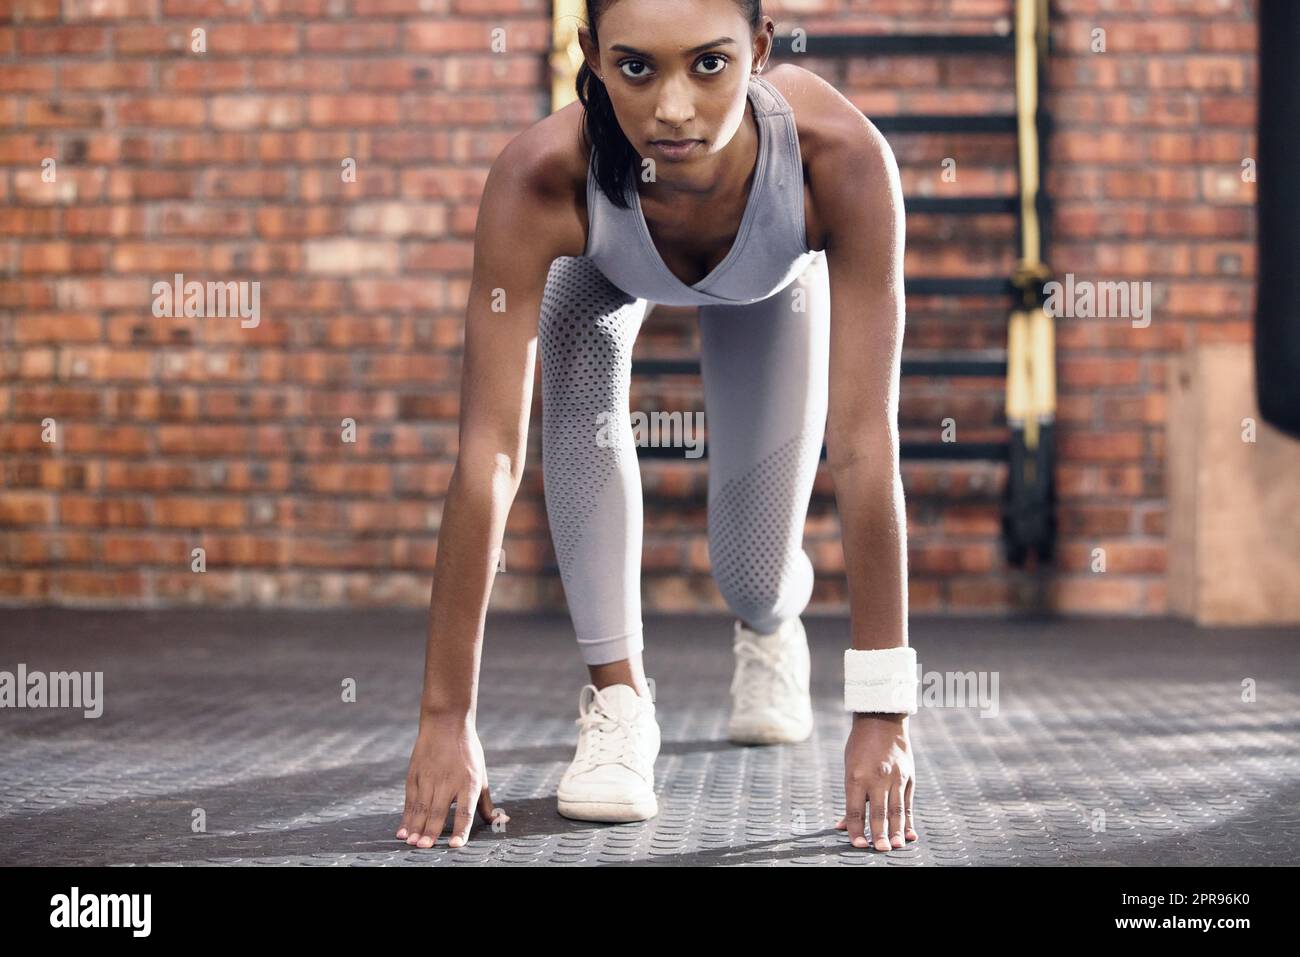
762, 579
766, 591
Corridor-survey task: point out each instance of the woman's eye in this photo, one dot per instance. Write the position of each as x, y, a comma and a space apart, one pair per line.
638, 67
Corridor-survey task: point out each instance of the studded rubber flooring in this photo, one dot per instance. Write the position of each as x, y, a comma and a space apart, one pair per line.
225, 740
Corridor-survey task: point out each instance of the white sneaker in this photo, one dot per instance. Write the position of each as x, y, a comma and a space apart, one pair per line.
770, 700
612, 777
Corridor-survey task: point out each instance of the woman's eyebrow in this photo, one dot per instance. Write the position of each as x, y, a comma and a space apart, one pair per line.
624, 48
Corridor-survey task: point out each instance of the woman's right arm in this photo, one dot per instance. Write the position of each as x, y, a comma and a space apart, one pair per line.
523, 225
512, 256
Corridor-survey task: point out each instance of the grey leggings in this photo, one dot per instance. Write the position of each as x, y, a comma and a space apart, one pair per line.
764, 368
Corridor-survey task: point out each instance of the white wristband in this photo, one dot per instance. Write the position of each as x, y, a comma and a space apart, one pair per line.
881, 680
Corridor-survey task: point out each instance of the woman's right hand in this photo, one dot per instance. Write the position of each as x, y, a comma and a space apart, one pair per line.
446, 765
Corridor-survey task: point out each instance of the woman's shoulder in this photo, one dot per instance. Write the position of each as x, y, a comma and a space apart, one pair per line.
825, 119
811, 107
843, 152
548, 162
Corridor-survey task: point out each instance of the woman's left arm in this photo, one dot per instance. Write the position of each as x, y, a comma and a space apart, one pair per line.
859, 203
864, 226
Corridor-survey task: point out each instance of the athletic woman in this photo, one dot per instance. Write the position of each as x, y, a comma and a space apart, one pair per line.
683, 177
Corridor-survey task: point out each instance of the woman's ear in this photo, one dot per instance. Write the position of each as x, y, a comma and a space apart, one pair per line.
763, 43
590, 52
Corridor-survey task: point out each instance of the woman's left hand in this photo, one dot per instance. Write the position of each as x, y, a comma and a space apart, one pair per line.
878, 770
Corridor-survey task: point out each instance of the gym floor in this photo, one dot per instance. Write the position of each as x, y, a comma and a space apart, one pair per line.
1108, 742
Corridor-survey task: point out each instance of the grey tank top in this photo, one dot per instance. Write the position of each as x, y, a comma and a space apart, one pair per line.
769, 250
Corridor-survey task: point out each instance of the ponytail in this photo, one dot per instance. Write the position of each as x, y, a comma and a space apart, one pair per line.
612, 156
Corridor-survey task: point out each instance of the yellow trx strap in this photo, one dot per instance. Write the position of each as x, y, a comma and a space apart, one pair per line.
1031, 348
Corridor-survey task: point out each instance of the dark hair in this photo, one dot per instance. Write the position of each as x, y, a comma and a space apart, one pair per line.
614, 158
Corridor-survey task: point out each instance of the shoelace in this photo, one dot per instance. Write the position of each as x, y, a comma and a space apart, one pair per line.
607, 737
754, 675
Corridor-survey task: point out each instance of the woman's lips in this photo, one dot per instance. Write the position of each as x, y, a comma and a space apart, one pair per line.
675, 150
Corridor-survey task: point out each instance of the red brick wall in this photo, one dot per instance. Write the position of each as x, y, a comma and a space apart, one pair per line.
177, 433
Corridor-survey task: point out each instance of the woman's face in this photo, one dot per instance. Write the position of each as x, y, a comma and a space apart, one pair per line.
677, 73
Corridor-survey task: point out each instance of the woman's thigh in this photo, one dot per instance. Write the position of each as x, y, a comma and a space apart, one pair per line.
765, 369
